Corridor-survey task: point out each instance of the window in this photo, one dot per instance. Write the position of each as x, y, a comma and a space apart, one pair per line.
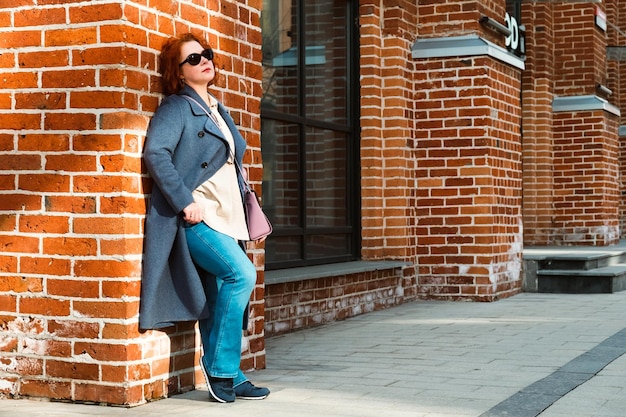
309, 134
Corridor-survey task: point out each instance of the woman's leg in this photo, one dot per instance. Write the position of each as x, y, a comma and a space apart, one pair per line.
205, 325
235, 277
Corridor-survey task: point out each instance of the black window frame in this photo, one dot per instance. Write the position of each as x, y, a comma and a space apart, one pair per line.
352, 129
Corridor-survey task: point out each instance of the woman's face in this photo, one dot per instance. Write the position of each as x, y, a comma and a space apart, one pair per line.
196, 75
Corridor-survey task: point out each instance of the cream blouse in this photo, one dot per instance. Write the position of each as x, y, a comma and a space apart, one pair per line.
219, 196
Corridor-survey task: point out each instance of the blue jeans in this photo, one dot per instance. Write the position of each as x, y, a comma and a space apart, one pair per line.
227, 293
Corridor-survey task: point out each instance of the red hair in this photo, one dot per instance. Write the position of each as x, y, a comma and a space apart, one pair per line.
169, 61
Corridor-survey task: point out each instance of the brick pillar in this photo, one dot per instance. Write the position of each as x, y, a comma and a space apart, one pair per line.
586, 178
537, 97
586, 149
79, 84
387, 124
469, 155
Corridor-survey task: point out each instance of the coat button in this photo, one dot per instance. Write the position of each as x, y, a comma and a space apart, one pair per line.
204, 165
200, 134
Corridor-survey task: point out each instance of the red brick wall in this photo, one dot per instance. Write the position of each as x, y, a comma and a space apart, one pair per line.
79, 86
309, 303
571, 159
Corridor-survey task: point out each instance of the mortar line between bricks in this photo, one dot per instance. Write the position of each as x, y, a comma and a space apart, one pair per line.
532, 400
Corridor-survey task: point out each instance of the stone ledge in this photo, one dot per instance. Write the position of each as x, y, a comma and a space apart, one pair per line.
463, 46
582, 103
281, 276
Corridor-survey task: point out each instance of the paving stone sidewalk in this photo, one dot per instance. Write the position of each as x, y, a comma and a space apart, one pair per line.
547, 355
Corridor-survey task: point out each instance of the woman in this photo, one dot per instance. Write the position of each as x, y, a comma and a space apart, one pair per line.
195, 265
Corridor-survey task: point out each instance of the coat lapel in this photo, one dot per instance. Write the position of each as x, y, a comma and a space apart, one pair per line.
198, 110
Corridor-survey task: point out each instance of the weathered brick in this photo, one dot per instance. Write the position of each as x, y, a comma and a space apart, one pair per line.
103, 99
71, 163
44, 306
39, 16
73, 329
44, 182
109, 352
103, 184
20, 162
95, 13
70, 121
68, 79
107, 309
42, 388
21, 38
41, 101
43, 224
43, 265
20, 121
72, 370
19, 284
106, 268
70, 204
125, 245
43, 142
72, 36
103, 54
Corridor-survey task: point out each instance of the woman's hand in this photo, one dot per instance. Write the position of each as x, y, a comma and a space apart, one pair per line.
192, 214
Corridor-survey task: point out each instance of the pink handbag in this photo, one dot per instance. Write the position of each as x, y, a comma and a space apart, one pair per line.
259, 225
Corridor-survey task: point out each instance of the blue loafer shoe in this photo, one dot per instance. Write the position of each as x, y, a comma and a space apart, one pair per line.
247, 391
221, 389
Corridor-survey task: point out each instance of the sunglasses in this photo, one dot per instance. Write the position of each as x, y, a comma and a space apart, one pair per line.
194, 59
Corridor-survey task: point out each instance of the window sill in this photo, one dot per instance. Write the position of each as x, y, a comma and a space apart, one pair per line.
281, 276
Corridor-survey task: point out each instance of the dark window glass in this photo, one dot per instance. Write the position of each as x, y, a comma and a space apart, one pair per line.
326, 174
281, 173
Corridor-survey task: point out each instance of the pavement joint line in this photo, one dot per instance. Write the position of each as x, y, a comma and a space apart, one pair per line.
532, 400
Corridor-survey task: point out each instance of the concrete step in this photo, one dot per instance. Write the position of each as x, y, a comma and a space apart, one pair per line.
608, 279
581, 260
575, 269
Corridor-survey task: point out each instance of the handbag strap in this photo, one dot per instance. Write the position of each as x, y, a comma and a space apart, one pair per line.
243, 178
214, 120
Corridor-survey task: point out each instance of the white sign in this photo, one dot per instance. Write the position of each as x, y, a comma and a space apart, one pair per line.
515, 41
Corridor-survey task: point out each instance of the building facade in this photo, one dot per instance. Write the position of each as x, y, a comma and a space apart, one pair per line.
404, 150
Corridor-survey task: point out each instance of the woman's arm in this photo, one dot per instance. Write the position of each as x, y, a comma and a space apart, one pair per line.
164, 134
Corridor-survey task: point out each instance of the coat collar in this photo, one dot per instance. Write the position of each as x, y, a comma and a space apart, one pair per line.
188, 91
200, 108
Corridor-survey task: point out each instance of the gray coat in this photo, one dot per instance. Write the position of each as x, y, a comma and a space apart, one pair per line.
183, 149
